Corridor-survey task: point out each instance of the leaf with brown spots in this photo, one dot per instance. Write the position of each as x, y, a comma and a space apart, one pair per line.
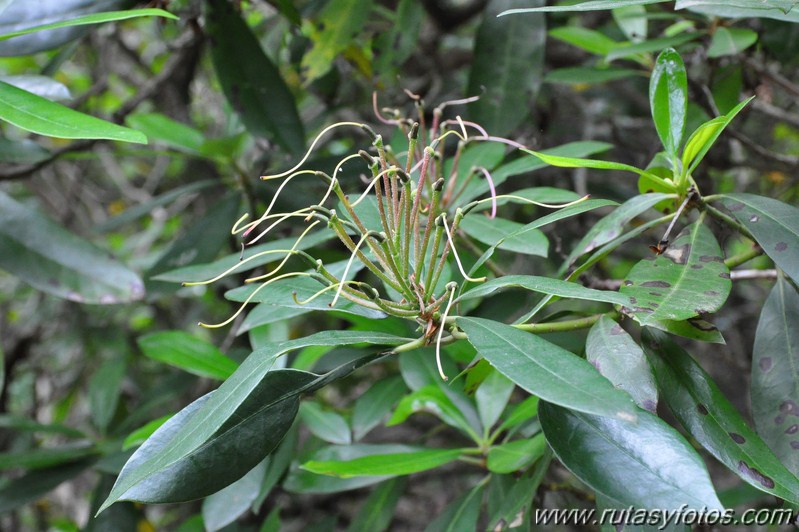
711, 419
615, 355
682, 290
774, 224
693, 328
775, 373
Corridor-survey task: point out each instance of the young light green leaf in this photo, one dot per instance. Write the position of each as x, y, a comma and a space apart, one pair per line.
668, 98
709, 417
95, 18
508, 54
39, 115
705, 136
591, 41
254, 88
730, 41
405, 463
326, 425
187, 352
518, 454
775, 372
666, 288
140, 435
48, 257
644, 464
615, 355
545, 285
774, 224
546, 370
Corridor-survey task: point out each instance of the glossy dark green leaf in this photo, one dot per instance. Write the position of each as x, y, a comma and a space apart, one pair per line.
512, 236
251, 410
774, 224
39, 115
253, 87
51, 259
515, 455
546, 370
460, 515
492, 397
374, 405
506, 66
612, 226
228, 504
668, 99
666, 288
105, 388
404, 463
324, 424
96, 18
645, 464
711, 419
775, 373
35, 484
187, 352
545, 285
615, 355
377, 511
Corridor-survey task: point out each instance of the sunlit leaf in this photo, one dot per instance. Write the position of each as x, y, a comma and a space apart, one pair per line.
405, 463
668, 98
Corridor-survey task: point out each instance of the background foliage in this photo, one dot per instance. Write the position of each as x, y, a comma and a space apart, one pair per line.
132, 139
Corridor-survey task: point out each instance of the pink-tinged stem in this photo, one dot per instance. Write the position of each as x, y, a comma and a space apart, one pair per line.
493, 192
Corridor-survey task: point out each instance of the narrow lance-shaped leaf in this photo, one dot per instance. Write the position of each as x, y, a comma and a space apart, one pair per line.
775, 374
185, 351
413, 461
545, 285
546, 370
774, 224
711, 419
591, 5
51, 259
96, 18
667, 287
668, 98
39, 115
616, 356
644, 464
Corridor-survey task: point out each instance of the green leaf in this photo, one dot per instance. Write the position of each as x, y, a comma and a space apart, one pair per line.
668, 98
104, 390
515, 455
590, 5
777, 9
492, 396
228, 504
636, 51
432, 399
775, 374
513, 236
373, 406
616, 356
693, 328
43, 458
51, 259
705, 136
588, 75
632, 21
774, 224
140, 435
338, 24
586, 39
377, 511
254, 401
666, 288
22, 151
405, 463
39, 115
187, 352
611, 226
515, 503
96, 18
40, 86
326, 425
644, 464
730, 41
35, 484
459, 515
709, 417
25, 424
170, 132
254, 88
545, 285
506, 67
522, 412
546, 370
